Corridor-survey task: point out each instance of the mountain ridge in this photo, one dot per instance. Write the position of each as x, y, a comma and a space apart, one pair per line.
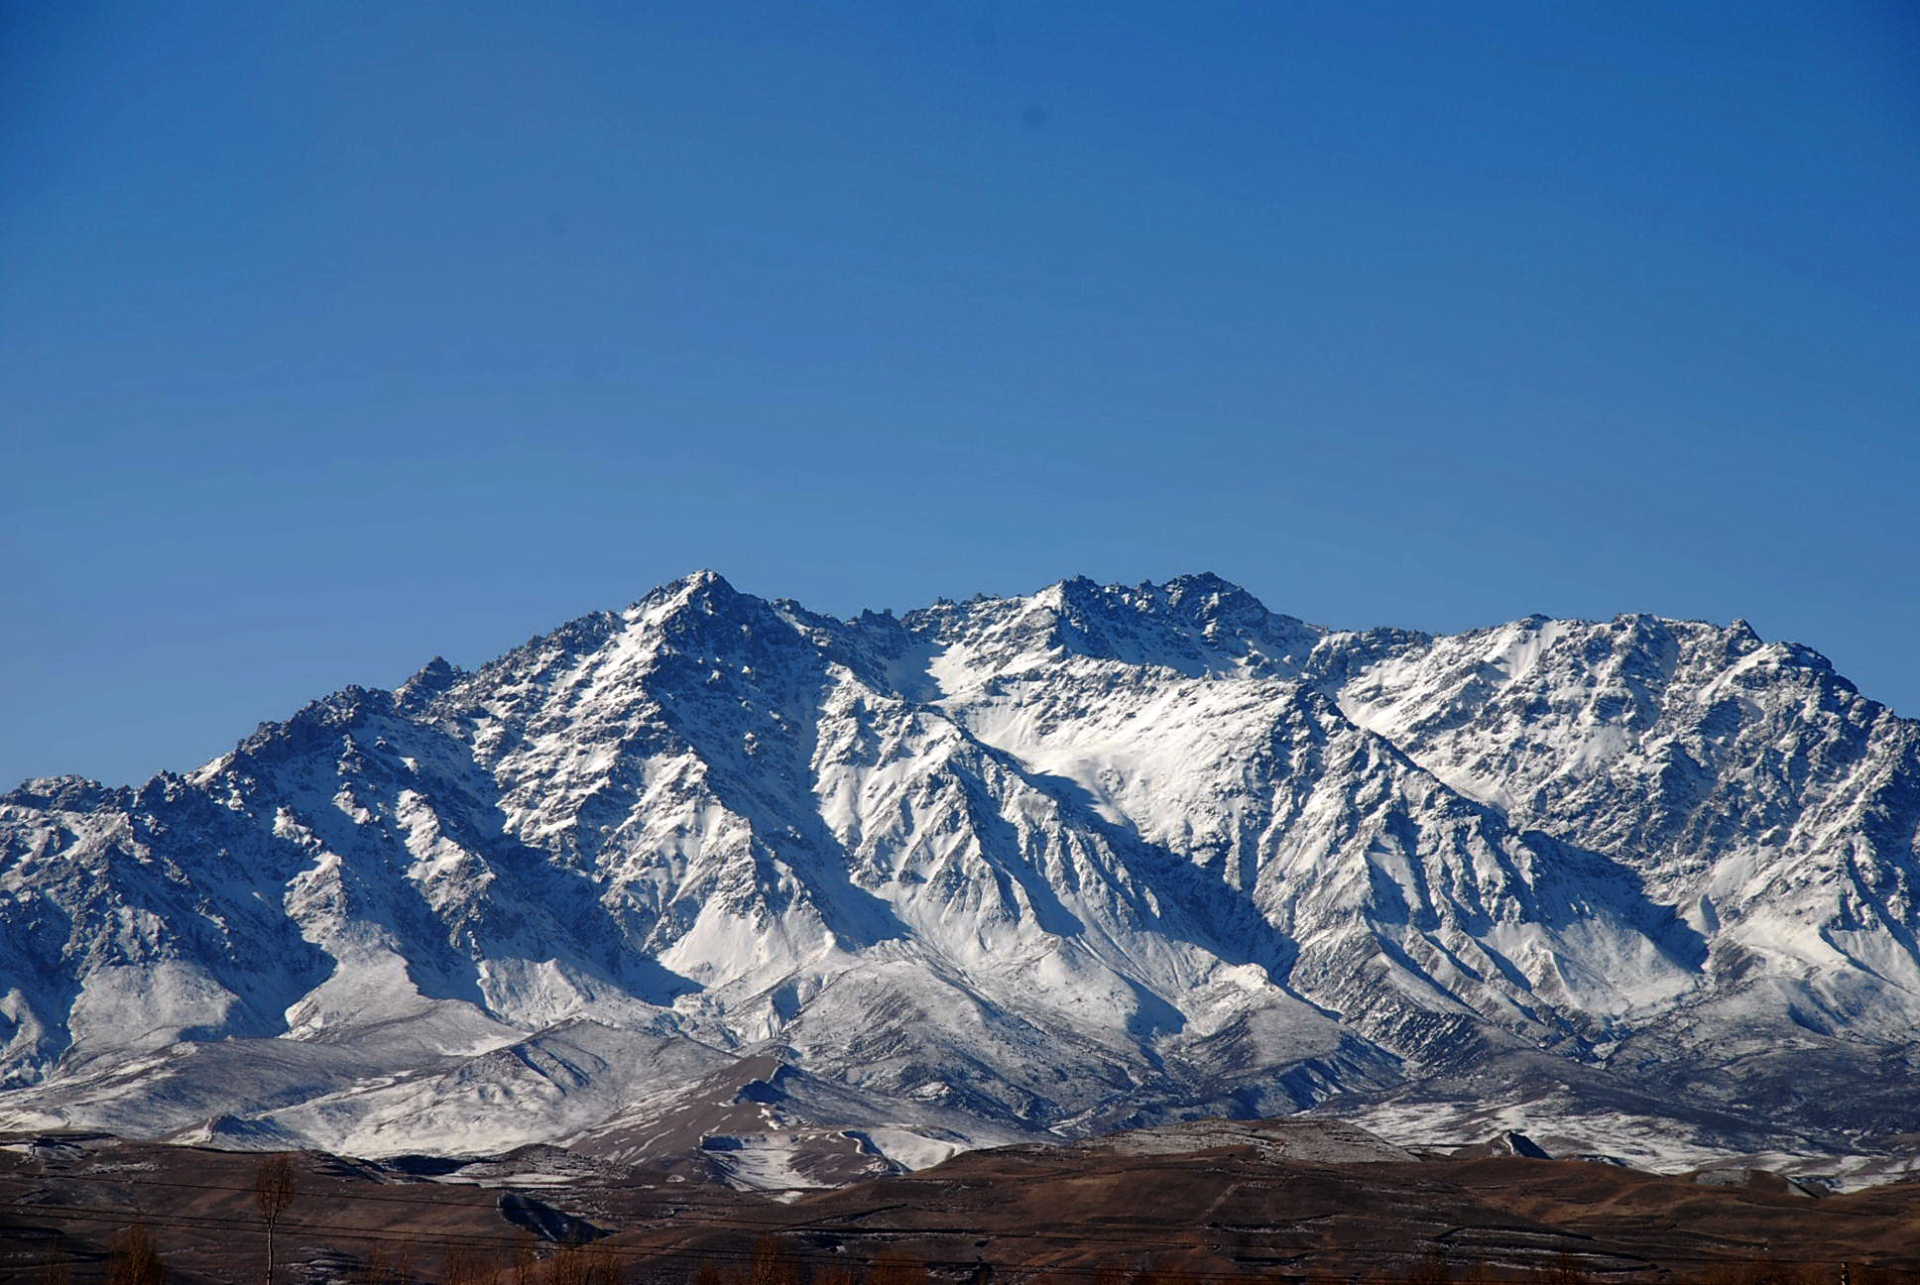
1021, 866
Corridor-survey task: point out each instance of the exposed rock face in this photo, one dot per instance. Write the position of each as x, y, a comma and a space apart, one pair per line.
1101, 856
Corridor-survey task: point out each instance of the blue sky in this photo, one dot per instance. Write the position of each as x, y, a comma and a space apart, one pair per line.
333, 336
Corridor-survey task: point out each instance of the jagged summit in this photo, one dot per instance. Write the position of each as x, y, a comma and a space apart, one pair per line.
432, 679
1093, 857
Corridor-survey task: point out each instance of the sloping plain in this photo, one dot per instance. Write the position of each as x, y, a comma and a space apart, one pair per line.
1289, 1199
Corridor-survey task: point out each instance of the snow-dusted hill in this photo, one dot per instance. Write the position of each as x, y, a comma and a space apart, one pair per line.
1101, 856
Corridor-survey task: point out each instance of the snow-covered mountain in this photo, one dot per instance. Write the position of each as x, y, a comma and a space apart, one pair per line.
809, 896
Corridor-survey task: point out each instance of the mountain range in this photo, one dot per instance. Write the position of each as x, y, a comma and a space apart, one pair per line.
719, 881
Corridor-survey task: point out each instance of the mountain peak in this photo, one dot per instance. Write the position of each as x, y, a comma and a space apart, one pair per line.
702, 592
433, 679
703, 586
704, 578
1194, 624
1206, 594
60, 793
1203, 582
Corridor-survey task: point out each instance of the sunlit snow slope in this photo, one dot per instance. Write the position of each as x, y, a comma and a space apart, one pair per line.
1100, 856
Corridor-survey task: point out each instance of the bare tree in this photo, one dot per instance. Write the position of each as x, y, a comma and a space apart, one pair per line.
603, 1268
273, 1192
570, 1262
1566, 1270
773, 1263
465, 1265
895, 1268
1431, 1269
134, 1259
523, 1259
53, 1268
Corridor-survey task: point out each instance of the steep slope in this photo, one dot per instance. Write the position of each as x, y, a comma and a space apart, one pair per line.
1750, 787
1099, 856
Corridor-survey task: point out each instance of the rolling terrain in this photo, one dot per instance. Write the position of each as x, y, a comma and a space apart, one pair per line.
1275, 1200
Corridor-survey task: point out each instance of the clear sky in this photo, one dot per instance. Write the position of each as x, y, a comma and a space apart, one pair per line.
335, 335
